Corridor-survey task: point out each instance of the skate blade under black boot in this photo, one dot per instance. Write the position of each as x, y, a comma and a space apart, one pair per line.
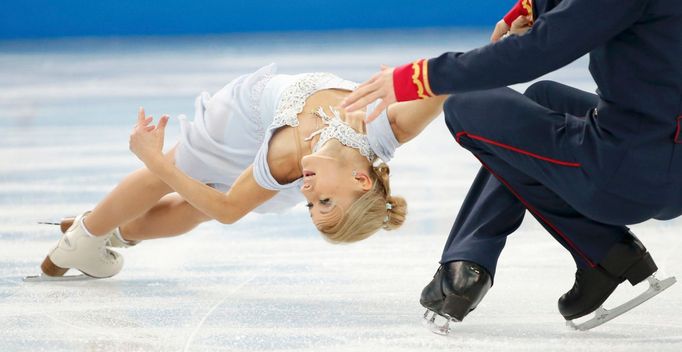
456, 289
603, 315
628, 260
437, 323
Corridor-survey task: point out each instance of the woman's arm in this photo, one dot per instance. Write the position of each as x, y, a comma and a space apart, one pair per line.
244, 195
409, 118
146, 142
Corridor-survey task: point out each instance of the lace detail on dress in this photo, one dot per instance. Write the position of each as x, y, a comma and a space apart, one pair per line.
342, 132
254, 101
293, 98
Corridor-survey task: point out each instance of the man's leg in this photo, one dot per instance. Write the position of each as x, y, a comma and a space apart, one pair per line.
528, 137
490, 211
488, 215
524, 145
561, 98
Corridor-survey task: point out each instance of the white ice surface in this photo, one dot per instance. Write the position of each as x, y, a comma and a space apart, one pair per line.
268, 283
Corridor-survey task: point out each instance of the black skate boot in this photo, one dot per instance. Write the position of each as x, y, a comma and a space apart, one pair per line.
627, 260
456, 289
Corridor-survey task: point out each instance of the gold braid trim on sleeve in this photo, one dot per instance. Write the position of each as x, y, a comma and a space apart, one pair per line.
415, 79
528, 5
425, 78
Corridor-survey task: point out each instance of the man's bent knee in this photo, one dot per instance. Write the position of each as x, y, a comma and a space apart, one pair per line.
478, 111
537, 91
450, 110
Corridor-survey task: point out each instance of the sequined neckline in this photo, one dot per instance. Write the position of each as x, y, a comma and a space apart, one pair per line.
342, 132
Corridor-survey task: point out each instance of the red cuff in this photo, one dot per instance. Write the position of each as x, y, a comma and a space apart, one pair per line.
522, 8
411, 81
678, 132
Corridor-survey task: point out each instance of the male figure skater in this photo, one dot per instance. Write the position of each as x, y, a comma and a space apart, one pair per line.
584, 165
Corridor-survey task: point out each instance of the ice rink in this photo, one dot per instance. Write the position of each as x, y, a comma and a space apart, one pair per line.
269, 282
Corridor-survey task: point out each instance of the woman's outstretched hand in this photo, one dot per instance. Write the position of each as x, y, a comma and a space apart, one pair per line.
146, 140
380, 86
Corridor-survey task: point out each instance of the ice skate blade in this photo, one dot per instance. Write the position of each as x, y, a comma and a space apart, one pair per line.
64, 224
603, 315
47, 278
436, 327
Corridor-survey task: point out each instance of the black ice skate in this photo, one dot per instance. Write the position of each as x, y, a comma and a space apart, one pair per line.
456, 289
625, 261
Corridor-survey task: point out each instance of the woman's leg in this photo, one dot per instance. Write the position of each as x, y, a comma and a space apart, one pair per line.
137, 193
135, 204
171, 216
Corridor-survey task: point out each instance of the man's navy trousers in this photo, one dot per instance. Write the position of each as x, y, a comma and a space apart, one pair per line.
585, 165
524, 144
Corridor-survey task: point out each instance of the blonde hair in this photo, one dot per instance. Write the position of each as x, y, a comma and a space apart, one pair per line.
367, 214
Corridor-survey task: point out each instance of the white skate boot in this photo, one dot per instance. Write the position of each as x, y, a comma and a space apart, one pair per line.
78, 250
115, 240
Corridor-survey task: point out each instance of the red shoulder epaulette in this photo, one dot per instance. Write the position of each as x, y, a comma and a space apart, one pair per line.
411, 81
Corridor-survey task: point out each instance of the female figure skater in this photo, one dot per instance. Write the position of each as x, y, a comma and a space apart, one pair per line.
256, 145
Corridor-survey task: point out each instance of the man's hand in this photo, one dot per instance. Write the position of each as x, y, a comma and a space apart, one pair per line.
380, 86
355, 119
521, 25
501, 28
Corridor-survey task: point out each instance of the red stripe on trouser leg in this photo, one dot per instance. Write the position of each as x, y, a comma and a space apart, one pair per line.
459, 135
539, 215
529, 206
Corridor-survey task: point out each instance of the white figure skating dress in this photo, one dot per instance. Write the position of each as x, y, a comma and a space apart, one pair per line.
232, 130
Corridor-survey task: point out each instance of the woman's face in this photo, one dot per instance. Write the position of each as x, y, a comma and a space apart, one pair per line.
329, 183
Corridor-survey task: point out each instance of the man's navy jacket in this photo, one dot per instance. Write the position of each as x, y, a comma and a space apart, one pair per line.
634, 145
